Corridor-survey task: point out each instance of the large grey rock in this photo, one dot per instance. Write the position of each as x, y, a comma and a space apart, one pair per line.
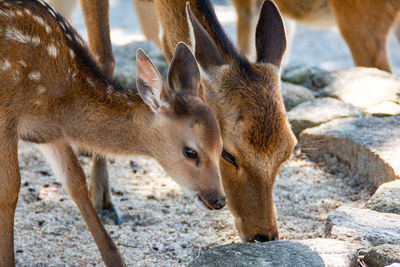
308, 77
277, 253
125, 61
318, 111
386, 198
363, 226
375, 91
294, 95
369, 146
334, 253
382, 255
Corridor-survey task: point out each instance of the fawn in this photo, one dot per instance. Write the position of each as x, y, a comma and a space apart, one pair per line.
244, 96
54, 94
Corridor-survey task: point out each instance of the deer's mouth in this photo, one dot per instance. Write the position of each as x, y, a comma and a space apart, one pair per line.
203, 203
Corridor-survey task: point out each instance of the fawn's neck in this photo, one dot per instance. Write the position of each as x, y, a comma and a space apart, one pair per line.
107, 121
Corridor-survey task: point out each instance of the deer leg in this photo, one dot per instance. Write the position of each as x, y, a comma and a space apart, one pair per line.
66, 166
96, 16
365, 26
10, 182
148, 20
244, 12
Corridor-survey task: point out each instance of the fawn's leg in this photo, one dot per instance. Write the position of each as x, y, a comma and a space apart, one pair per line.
10, 182
146, 12
95, 13
67, 167
364, 25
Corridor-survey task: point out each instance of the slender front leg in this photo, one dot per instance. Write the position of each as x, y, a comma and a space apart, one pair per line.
96, 15
66, 166
147, 15
10, 182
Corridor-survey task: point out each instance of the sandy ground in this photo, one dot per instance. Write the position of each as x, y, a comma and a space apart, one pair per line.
161, 226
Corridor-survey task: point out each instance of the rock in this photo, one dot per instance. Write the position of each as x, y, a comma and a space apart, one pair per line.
308, 77
369, 146
386, 198
375, 91
125, 59
276, 253
295, 94
333, 252
363, 226
382, 255
318, 111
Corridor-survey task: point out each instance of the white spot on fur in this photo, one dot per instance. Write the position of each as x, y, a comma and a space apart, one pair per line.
16, 35
9, 13
27, 11
19, 12
22, 63
34, 75
90, 81
52, 12
42, 23
52, 50
5, 65
41, 89
71, 53
109, 89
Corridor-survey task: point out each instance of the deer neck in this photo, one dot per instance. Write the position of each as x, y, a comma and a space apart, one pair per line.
108, 120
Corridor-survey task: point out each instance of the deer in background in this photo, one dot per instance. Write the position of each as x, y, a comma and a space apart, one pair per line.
55, 95
244, 96
363, 24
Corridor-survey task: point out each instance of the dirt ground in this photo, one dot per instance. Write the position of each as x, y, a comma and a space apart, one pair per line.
161, 226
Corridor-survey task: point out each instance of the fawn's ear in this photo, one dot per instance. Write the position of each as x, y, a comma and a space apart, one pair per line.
270, 35
183, 73
150, 84
204, 48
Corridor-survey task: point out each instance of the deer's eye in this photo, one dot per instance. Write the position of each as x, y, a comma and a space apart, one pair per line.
229, 158
189, 153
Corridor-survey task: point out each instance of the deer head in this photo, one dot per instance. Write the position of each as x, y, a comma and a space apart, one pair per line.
191, 144
248, 104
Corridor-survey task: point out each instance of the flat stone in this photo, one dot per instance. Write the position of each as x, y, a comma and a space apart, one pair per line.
334, 253
375, 91
308, 77
363, 226
383, 255
294, 95
276, 253
370, 147
313, 113
386, 198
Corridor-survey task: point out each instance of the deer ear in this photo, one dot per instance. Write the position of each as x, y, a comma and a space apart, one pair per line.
183, 73
204, 48
270, 35
150, 84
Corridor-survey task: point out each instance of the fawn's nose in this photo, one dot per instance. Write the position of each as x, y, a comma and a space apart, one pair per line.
266, 238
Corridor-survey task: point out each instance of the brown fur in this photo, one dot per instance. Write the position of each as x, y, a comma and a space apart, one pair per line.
247, 102
54, 94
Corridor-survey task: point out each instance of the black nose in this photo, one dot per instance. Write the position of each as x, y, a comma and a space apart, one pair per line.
266, 238
219, 203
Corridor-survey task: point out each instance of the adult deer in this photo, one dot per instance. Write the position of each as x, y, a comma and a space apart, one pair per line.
364, 24
245, 98
53, 93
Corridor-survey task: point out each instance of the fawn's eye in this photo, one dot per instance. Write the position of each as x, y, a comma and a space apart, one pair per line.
189, 153
229, 158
